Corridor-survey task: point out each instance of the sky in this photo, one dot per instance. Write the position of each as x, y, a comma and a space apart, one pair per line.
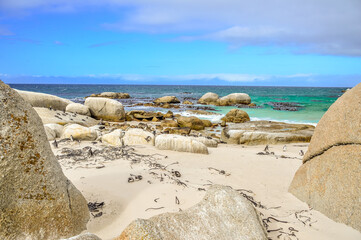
215, 42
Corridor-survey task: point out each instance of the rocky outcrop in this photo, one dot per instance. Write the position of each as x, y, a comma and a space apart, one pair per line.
229, 100
39, 202
180, 144
209, 99
236, 116
266, 132
193, 123
63, 118
106, 109
140, 115
137, 136
329, 179
50, 134
167, 99
44, 100
79, 132
78, 108
222, 214
112, 95
169, 123
187, 102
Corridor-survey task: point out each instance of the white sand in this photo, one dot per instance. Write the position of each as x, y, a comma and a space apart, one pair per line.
267, 176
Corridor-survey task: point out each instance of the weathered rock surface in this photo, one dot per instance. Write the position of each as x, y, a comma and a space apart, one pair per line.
341, 124
209, 99
44, 100
266, 132
234, 99
114, 138
329, 179
84, 236
112, 95
285, 106
78, 108
137, 136
139, 115
180, 144
222, 214
206, 141
50, 134
330, 183
187, 102
202, 112
167, 99
206, 123
59, 117
236, 116
193, 123
40, 202
79, 132
106, 109
169, 123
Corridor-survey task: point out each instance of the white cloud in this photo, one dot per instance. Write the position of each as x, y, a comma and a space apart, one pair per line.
307, 26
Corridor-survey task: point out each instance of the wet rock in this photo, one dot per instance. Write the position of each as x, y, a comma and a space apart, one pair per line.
285, 106
186, 102
167, 99
112, 95
169, 123
234, 99
193, 123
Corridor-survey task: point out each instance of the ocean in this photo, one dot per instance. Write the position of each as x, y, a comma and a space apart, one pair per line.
311, 102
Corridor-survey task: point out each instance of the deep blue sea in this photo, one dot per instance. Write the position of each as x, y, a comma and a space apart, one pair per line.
314, 101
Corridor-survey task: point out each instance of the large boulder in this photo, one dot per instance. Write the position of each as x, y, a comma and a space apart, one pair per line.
37, 201
78, 108
63, 118
79, 132
266, 132
329, 179
137, 136
209, 142
209, 99
234, 98
50, 134
113, 138
169, 123
112, 95
44, 100
167, 99
180, 144
222, 214
56, 128
236, 116
193, 123
106, 109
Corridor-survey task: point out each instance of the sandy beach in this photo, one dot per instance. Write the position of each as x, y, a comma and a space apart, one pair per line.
267, 176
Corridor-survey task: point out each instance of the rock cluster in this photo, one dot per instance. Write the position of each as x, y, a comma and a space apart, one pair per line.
222, 214
329, 179
112, 95
229, 100
37, 200
166, 99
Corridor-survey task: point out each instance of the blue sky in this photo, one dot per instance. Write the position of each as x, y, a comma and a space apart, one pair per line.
228, 42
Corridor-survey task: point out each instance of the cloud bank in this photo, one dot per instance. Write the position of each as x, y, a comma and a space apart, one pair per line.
327, 27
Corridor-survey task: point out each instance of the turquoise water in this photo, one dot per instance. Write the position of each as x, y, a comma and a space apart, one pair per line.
314, 101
